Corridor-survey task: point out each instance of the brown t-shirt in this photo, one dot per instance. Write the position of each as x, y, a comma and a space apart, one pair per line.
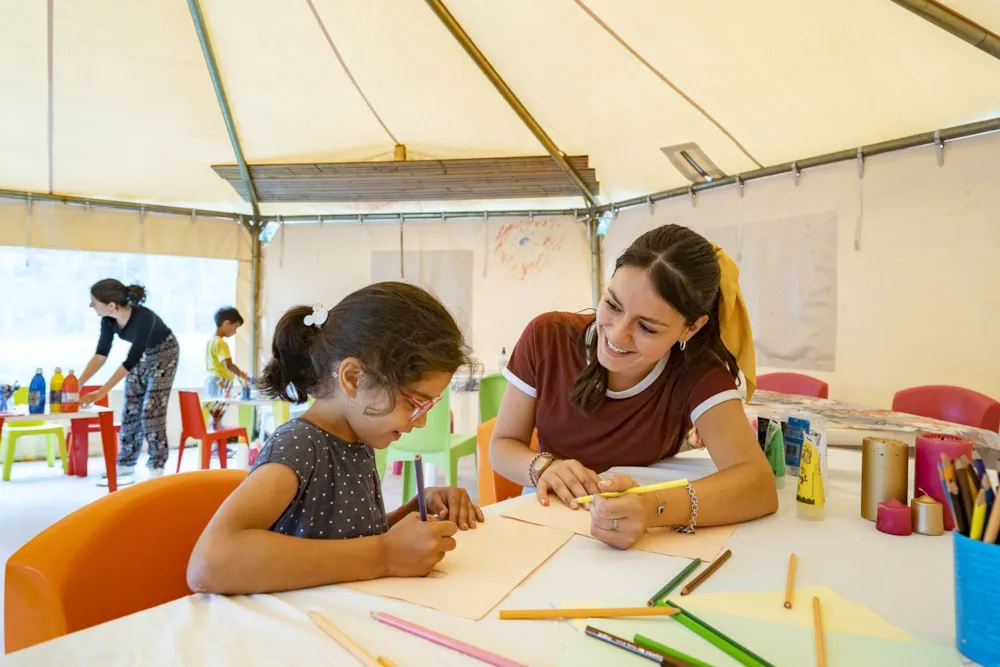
635, 427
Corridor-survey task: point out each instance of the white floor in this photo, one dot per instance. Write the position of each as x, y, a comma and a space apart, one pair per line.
37, 496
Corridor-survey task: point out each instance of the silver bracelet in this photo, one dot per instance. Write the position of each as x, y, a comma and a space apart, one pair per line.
689, 529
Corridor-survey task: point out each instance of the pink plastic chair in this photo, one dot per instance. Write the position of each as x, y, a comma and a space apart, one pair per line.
793, 383
950, 404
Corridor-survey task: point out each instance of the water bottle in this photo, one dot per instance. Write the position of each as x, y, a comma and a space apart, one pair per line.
36, 394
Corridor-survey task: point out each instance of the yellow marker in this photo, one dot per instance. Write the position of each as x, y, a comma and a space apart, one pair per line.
636, 489
978, 516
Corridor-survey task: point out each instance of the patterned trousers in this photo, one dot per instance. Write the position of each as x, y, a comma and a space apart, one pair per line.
147, 391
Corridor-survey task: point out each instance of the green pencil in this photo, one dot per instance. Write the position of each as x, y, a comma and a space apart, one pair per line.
652, 645
673, 583
691, 622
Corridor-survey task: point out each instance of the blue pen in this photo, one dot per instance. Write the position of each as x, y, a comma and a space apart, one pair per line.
418, 465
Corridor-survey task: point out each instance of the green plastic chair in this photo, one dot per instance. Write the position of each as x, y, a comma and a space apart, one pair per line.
436, 445
11, 432
491, 389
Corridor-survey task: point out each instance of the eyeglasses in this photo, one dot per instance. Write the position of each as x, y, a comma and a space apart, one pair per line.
420, 408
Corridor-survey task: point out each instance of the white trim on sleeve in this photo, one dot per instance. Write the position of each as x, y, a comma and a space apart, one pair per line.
519, 383
712, 401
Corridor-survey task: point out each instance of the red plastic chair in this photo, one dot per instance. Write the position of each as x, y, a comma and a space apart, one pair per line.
93, 425
193, 426
950, 404
793, 383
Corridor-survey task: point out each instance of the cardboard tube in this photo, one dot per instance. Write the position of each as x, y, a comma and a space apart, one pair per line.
885, 472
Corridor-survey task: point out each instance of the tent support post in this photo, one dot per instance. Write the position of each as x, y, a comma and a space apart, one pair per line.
595, 259
456, 30
255, 250
953, 22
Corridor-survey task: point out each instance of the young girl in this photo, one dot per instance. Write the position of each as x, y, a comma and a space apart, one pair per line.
375, 365
148, 369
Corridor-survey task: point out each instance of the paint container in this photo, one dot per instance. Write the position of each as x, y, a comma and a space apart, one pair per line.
810, 497
795, 434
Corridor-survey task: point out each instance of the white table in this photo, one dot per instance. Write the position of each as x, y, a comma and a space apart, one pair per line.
844, 552
78, 422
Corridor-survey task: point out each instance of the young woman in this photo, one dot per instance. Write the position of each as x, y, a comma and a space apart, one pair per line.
148, 369
623, 388
375, 364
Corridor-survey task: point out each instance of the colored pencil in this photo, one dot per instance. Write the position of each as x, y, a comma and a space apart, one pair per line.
979, 464
362, 656
818, 625
671, 653
978, 517
980, 467
791, 582
688, 620
718, 640
962, 481
993, 527
673, 583
447, 642
706, 573
956, 498
385, 662
947, 496
418, 467
625, 644
635, 490
612, 612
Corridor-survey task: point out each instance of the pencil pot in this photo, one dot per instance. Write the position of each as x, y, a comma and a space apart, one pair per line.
977, 588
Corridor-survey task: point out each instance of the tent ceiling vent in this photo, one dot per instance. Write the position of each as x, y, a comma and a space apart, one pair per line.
413, 180
692, 162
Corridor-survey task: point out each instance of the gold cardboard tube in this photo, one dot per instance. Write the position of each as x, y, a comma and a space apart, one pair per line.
885, 469
928, 516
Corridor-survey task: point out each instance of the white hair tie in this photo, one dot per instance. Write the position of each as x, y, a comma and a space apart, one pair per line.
318, 316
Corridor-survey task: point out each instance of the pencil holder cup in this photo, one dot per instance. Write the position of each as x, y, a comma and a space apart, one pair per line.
977, 625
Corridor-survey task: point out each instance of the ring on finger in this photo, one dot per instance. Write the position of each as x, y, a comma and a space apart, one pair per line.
614, 525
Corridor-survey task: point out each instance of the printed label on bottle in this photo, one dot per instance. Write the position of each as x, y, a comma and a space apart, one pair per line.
55, 396
34, 399
70, 397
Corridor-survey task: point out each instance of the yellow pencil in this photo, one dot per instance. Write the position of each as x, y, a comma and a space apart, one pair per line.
993, 525
818, 628
636, 489
361, 655
978, 516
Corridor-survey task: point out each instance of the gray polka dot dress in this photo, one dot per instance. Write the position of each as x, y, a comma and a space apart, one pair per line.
339, 495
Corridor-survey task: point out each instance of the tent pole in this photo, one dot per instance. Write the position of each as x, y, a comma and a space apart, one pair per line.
255, 229
953, 22
595, 259
456, 30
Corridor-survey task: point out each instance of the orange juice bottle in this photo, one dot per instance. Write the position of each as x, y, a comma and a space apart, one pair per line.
71, 393
55, 391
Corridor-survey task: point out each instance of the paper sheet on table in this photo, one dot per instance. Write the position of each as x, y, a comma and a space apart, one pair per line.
781, 644
488, 563
706, 543
839, 614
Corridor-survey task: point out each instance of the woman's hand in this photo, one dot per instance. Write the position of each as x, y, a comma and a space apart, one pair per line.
620, 522
89, 399
568, 479
453, 504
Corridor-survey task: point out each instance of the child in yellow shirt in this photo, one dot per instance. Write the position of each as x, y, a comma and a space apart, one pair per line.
219, 361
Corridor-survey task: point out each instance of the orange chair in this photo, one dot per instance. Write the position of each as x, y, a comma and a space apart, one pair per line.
493, 487
193, 426
121, 554
793, 383
93, 425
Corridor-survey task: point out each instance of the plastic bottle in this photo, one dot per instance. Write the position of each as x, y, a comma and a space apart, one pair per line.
36, 394
55, 391
71, 393
810, 494
503, 359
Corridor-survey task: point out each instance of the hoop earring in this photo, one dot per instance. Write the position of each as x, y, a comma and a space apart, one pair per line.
683, 345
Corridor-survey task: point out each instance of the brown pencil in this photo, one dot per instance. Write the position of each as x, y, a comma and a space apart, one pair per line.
818, 625
962, 480
791, 581
611, 612
706, 573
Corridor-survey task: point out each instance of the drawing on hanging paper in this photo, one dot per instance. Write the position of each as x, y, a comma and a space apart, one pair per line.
525, 247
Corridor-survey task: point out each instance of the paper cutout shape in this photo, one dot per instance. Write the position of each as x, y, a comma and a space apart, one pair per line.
488, 563
782, 644
839, 614
706, 543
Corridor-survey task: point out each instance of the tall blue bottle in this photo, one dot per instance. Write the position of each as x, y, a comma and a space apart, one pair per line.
36, 394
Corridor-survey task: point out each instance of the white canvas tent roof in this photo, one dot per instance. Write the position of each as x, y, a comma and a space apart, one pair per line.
134, 116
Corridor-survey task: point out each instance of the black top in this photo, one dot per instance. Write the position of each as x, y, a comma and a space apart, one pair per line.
144, 329
339, 494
